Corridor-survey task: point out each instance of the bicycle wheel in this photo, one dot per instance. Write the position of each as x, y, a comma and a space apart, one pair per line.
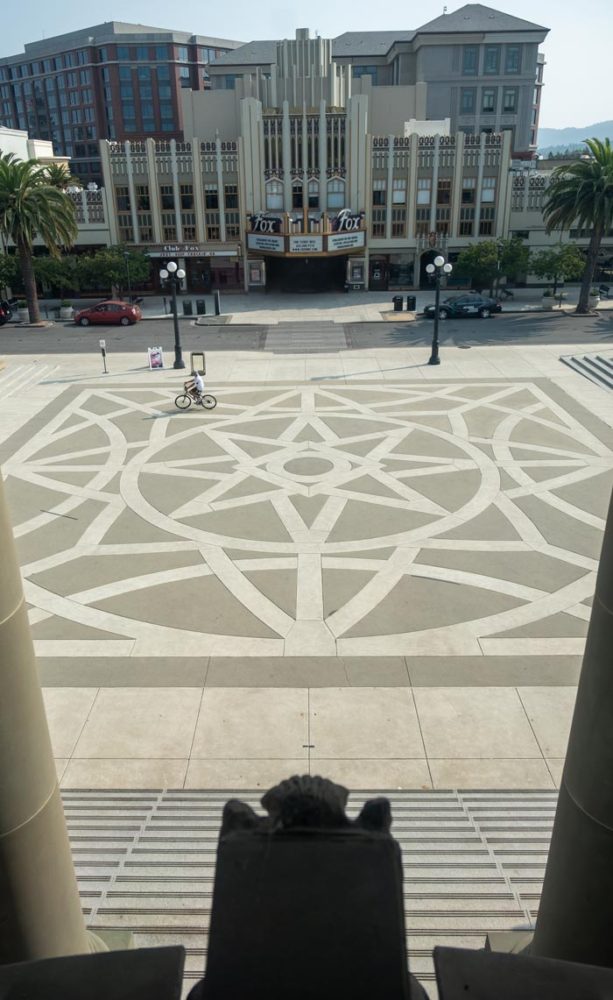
183, 402
209, 402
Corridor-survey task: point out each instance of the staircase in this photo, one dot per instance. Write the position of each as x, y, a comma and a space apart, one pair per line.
473, 862
597, 367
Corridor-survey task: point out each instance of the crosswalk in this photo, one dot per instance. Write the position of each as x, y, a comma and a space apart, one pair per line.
473, 862
303, 338
20, 377
597, 367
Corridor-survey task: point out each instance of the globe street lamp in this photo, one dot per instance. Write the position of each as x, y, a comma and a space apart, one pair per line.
174, 274
439, 266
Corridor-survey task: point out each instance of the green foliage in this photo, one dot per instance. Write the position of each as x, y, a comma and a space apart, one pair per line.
487, 262
57, 175
57, 274
108, 268
581, 194
8, 270
30, 206
563, 263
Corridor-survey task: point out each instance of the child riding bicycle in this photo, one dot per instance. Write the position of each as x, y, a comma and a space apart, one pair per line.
195, 386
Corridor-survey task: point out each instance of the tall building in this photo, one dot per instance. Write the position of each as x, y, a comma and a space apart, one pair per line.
315, 163
110, 81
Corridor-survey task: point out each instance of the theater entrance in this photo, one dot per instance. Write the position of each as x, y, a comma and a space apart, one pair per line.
306, 274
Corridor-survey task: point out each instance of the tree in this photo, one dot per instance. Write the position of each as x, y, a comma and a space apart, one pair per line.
8, 271
487, 262
107, 269
58, 176
562, 263
30, 207
581, 195
59, 274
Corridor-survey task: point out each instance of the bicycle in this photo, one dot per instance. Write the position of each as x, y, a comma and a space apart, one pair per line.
184, 400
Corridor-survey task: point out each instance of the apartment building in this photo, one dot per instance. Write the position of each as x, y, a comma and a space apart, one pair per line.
109, 81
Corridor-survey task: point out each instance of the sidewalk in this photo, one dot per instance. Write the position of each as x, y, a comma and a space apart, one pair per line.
332, 307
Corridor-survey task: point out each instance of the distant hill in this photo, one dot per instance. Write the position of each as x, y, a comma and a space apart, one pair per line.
568, 138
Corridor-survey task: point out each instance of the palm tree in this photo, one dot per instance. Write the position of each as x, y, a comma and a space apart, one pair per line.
58, 176
30, 206
582, 195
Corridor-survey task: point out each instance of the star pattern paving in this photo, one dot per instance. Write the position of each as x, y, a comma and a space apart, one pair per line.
458, 518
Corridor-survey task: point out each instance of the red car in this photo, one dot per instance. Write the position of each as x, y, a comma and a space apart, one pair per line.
109, 312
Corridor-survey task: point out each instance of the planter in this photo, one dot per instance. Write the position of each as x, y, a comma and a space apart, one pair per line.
66, 312
547, 302
593, 301
23, 316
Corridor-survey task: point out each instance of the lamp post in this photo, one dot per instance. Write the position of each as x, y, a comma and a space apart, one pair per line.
438, 267
174, 275
126, 257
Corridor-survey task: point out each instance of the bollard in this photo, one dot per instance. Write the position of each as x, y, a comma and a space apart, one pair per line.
218, 303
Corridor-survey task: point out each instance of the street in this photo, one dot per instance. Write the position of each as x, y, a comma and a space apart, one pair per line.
512, 328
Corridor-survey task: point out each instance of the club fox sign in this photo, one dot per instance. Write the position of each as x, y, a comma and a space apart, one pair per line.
347, 221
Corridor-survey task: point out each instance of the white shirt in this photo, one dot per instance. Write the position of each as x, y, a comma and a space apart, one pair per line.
198, 383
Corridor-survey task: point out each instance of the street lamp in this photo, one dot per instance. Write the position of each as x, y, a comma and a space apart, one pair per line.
439, 266
174, 275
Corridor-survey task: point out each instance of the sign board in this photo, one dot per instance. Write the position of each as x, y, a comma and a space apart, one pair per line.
156, 357
102, 344
346, 241
264, 223
188, 250
272, 244
306, 244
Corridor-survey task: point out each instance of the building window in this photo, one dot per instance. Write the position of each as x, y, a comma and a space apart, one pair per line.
143, 202
126, 91
85, 77
467, 221
233, 229
188, 225
486, 221
512, 62
164, 92
422, 221
443, 216
470, 60
378, 191
146, 109
142, 52
488, 101
491, 61
424, 185
103, 55
469, 185
509, 100
488, 190
161, 52
297, 196
336, 194
182, 53
123, 52
144, 73
128, 111
358, 71
227, 82
145, 228
213, 230
378, 222
467, 104
399, 191
443, 191
313, 192
146, 92
169, 227
166, 110
274, 196
122, 196
231, 195
187, 196
168, 126
399, 221
167, 197
211, 197
184, 77
126, 232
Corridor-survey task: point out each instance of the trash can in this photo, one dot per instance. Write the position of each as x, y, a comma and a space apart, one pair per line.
187, 307
397, 301
201, 307
411, 303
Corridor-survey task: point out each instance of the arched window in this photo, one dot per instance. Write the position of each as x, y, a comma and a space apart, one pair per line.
336, 194
274, 196
313, 194
297, 196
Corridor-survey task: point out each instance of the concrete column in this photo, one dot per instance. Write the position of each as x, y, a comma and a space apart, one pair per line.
40, 910
576, 911
109, 190
435, 165
131, 191
174, 171
412, 188
389, 186
198, 191
479, 183
504, 188
220, 189
305, 156
286, 143
456, 194
154, 192
323, 158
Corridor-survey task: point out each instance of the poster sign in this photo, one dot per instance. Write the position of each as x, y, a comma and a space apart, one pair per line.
346, 241
156, 357
306, 244
347, 221
272, 244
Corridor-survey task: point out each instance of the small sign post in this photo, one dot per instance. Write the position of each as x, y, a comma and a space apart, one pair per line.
103, 353
156, 357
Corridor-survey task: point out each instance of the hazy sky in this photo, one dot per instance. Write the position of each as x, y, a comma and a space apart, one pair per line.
577, 49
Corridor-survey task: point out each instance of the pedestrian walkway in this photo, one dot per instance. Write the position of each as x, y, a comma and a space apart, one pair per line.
298, 338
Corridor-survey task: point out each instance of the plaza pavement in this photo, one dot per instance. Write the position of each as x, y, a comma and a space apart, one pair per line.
357, 565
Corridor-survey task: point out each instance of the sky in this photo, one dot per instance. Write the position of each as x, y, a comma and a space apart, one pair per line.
577, 49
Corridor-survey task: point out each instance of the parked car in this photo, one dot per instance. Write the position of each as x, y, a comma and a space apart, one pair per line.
109, 312
458, 306
5, 313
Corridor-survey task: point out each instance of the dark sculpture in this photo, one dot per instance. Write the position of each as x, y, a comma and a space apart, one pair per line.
307, 903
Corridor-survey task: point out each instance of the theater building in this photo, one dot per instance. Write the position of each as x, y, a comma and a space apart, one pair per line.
310, 170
